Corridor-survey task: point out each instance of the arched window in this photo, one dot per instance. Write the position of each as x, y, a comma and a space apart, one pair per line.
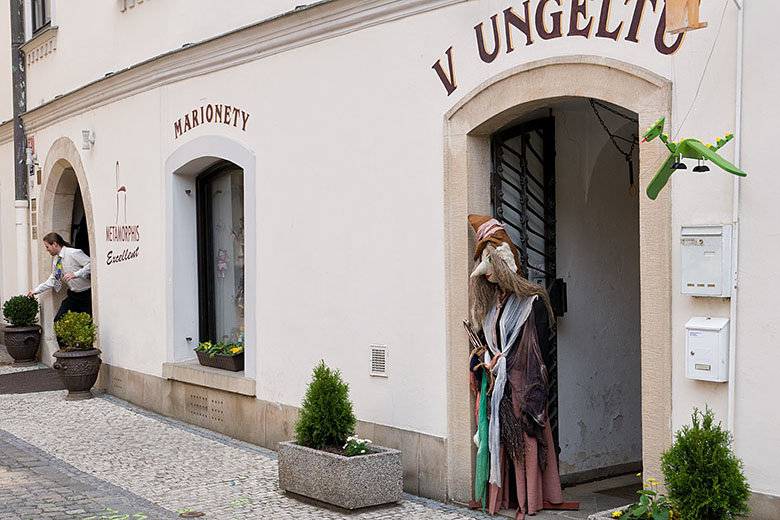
220, 231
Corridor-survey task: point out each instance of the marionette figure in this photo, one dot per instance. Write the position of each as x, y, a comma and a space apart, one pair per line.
511, 317
222, 262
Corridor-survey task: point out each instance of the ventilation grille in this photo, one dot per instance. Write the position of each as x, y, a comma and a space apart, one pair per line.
379, 360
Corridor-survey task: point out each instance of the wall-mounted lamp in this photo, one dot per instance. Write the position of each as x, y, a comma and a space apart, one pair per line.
87, 139
31, 157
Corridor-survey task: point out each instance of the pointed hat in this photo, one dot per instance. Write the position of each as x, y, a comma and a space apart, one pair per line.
490, 231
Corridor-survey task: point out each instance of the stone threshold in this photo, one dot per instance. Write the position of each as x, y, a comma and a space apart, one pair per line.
194, 373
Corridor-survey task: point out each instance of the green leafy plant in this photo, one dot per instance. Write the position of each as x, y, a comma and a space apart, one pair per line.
76, 330
704, 478
652, 505
326, 417
21, 311
229, 349
357, 446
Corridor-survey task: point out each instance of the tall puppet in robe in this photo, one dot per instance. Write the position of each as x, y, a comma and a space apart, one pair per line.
516, 456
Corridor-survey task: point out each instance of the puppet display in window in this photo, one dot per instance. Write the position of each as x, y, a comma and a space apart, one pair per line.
516, 462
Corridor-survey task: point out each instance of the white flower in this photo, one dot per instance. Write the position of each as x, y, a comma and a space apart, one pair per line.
363, 451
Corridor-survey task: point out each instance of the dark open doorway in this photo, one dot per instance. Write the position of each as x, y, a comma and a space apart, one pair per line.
563, 189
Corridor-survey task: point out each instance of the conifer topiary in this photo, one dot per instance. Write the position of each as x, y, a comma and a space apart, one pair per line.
702, 475
326, 417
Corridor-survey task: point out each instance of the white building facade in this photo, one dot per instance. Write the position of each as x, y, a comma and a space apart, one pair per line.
332, 153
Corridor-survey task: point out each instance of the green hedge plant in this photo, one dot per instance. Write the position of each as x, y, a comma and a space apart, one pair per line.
326, 417
76, 331
703, 477
21, 311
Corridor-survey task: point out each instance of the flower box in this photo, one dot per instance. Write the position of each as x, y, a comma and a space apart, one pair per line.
223, 361
347, 482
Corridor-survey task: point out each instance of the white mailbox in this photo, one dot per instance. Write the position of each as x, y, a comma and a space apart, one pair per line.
705, 264
707, 349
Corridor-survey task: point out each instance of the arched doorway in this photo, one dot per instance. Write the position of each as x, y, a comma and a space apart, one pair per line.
65, 207
469, 126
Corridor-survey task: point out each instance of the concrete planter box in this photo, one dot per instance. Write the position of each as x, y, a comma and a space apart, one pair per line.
347, 482
606, 515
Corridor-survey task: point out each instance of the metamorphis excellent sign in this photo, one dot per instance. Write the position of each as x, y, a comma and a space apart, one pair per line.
526, 22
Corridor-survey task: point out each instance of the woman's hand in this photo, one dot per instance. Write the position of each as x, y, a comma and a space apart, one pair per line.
68, 276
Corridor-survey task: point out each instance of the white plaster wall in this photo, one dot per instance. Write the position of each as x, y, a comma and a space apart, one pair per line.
7, 226
708, 199
6, 85
108, 40
598, 257
131, 294
758, 334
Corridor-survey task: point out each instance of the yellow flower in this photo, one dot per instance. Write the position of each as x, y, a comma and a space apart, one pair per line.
617, 514
638, 474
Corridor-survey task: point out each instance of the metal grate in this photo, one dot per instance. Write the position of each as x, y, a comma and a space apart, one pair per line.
379, 360
522, 192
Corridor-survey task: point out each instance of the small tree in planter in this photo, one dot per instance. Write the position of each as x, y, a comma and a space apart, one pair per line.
326, 417
23, 335
78, 364
702, 475
326, 422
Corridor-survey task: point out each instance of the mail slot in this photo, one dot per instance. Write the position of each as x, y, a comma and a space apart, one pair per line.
707, 349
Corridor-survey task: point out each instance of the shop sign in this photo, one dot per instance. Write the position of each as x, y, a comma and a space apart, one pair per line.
211, 114
126, 236
552, 19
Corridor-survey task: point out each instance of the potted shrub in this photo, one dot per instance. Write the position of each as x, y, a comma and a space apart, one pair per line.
702, 475
78, 363
703, 478
327, 462
229, 356
23, 334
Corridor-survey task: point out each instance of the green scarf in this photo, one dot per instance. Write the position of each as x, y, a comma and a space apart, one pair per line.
483, 455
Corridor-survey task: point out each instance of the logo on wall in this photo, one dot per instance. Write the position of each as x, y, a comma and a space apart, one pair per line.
121, 231
547, 20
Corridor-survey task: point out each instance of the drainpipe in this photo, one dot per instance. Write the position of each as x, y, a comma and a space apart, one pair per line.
21, 204
735, 220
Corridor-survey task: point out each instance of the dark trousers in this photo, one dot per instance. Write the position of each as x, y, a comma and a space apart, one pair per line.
76, 302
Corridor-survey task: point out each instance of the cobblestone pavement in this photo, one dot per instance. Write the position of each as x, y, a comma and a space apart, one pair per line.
104, 459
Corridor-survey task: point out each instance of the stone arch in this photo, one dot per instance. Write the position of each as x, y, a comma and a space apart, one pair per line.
467, 130
181, 169
63, 173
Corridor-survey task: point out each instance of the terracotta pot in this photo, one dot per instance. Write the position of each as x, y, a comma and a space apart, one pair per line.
22, 343
78, 371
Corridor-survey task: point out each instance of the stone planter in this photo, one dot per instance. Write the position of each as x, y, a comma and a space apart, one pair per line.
606, 515
78, 371
347, 482
22, 343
